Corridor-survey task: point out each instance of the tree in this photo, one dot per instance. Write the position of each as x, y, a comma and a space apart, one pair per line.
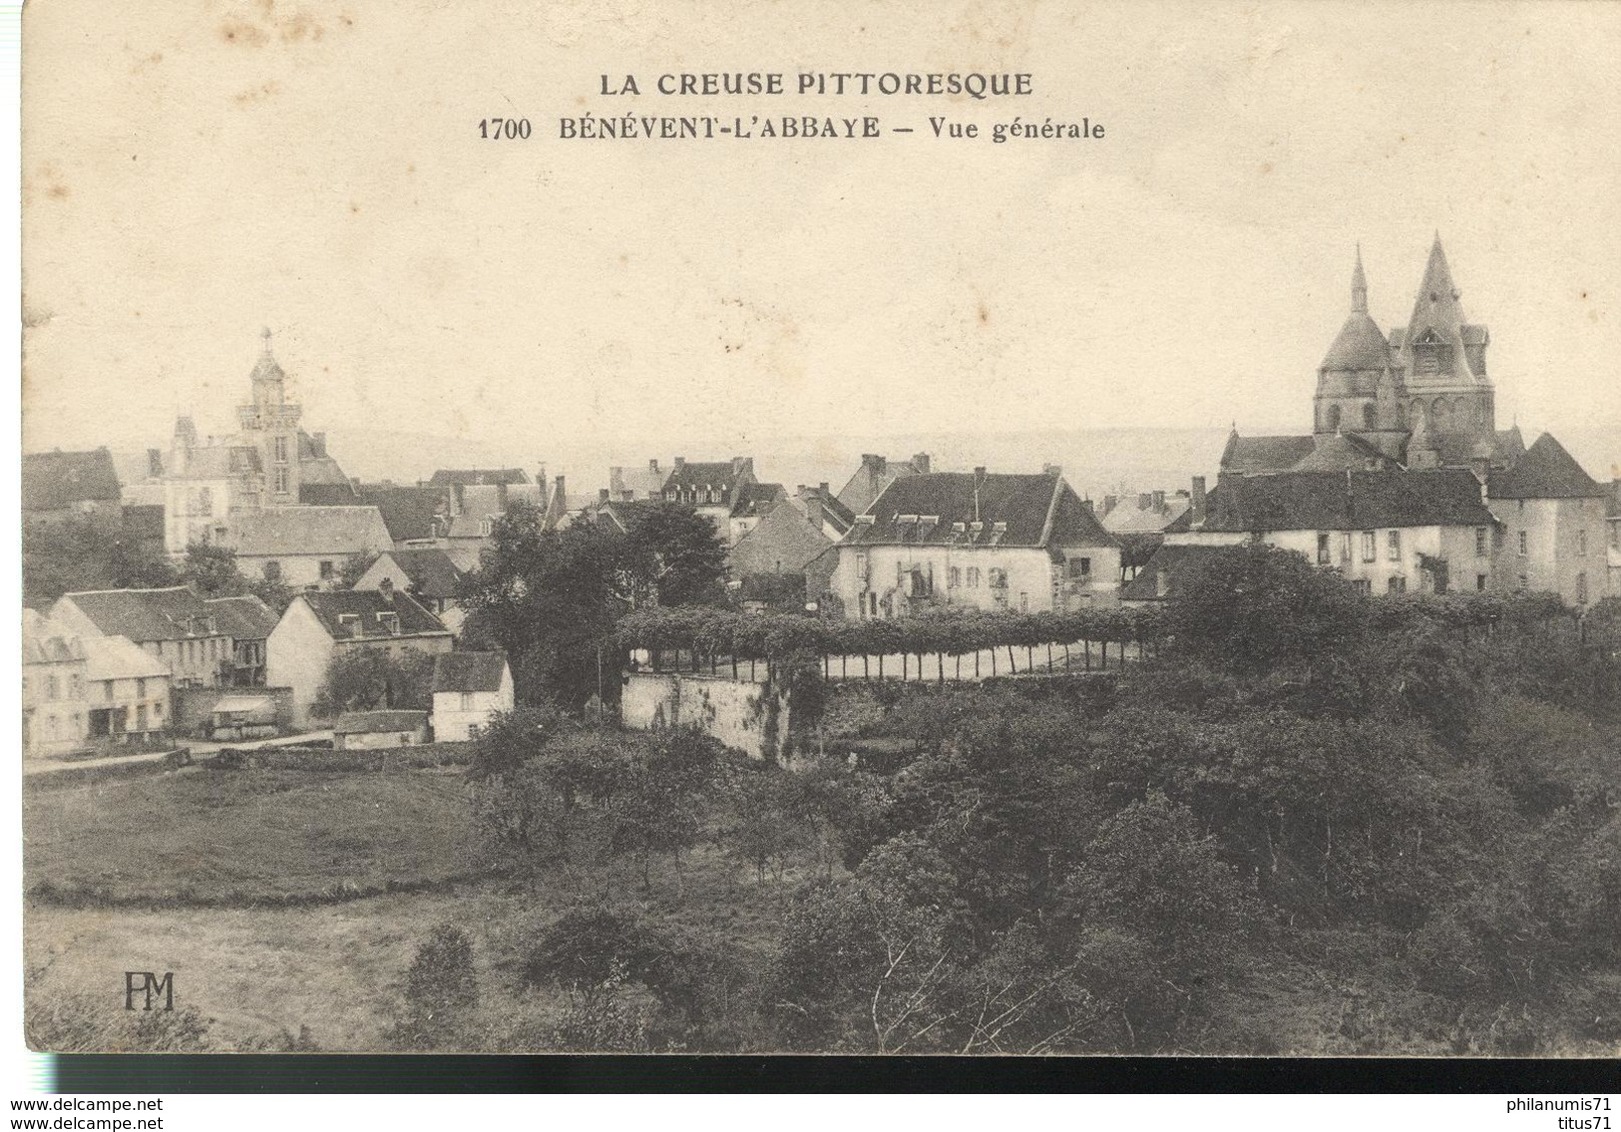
68, 557
441, 991
212, 571
369, 679
673, 556
354, 567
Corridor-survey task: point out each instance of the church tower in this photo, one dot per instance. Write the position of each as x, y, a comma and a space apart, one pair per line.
1443, 359
1350, 376
270, 424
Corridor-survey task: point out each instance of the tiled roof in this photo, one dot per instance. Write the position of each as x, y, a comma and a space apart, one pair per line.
623, 513
1178, 564
1012, 510
328, 494
468, 671
47, 642
447, 476
1335, 452
721, 474
1129, 517
339, 531
1546, 471
1360, 345
119, 658
1341, 501
54, 480
429, 572
171, 614
322, 470
756, 499
642, 483
335, 608
1252, 454
244, 618
378, 722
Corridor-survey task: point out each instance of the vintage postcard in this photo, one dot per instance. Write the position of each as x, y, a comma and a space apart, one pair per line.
879, 528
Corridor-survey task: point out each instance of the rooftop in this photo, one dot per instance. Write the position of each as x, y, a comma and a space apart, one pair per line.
1349, 500
54, 480
468, 671
379, 722
980, 509
360, 614
174, 613
338, 531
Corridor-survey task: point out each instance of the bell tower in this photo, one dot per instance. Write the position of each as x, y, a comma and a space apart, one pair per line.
270, 424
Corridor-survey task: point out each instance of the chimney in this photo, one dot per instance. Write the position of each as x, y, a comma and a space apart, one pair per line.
813, 510
822, 487
154, 462
653, 466
1144, 500
874, 464
318, 444
920, 461
979, 481
680, 462
1052, 470
1087, 503
1159, 501
558, 493
386, 589
1110, 502
743, 466
1197, 504
602, 495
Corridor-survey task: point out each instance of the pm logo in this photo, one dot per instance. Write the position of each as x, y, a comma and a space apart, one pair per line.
150, 986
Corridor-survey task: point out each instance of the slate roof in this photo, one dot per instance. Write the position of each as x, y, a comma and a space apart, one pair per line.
55, 480
1037, 510
837, 515
328, 494
1546, 471
1337, 452
119, 658
642, 483
1360, 345
429, 572
721, 474
1179, 563
1252, 454
756, 499
623, 513
1129, 518
1342, 501
409, 512
171, 614
244, 618
447, 476
379, 722
339, 531
330, 607
468, 671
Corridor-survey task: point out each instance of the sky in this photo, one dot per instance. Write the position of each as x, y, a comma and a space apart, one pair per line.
193, 172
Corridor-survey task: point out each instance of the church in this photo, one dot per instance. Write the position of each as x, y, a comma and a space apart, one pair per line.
1417, 405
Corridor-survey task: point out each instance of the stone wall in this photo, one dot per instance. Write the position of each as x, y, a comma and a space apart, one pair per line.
751, 716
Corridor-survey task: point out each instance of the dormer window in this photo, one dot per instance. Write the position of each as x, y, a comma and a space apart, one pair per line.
389, 622
485, 526
351, 622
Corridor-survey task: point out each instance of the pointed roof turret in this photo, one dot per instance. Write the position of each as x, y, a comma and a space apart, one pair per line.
1436, 306
1360, 345
267, 368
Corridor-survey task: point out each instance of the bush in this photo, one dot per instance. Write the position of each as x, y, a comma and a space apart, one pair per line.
441, 990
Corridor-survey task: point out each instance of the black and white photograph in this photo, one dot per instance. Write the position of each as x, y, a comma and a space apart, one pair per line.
680, 528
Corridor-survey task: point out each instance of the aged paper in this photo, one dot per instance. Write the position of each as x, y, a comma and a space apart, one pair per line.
318, 295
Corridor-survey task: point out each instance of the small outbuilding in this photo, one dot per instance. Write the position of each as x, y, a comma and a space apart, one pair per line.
370, 730
469, 688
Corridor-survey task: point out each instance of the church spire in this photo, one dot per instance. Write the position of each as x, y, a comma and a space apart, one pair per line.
1359, 285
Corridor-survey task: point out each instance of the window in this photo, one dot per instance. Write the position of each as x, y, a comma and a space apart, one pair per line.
350, 621
1581, 544
157, 710
1162, 582
281, 481
973, 577
474, 730
485, 526
1522, 544
1394, 546
1581, 589
272, 571
1345, 547
467, 701
954, 577
76, 684
107, 690
1362, 585
1324, 549
1368, 545
1522, 586
1397, 584
281, 449
1481, 542
1480, 582
861, 565
53, 688
996, 578
1024, 603
1615, 536
1080, 569
390, 623
140, 689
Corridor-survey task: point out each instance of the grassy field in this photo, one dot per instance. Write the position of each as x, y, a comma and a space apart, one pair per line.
257, 973
233, 837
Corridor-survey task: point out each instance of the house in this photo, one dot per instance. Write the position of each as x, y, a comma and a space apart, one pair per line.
429, 575
54, 703
875, 474
469, 688
1139, 523
414, 516
247, 620
629, 485
128, 690
1554, 515
60, 487
1385, 531
791, 539
711, 489
461, 477
305, 547
373, 730
561, 507
175, 625
1171, 569
751, 502
322, 624
476, 508
1024, 543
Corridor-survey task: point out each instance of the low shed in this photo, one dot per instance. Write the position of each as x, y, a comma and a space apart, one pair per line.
369, 730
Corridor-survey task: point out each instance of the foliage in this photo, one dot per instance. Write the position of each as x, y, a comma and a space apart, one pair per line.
68, 557
354, 567
441, 989
369, 679
212, 571
672, 556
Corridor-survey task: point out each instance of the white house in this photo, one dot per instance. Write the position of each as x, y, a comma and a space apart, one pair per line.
468, 689
305, 547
